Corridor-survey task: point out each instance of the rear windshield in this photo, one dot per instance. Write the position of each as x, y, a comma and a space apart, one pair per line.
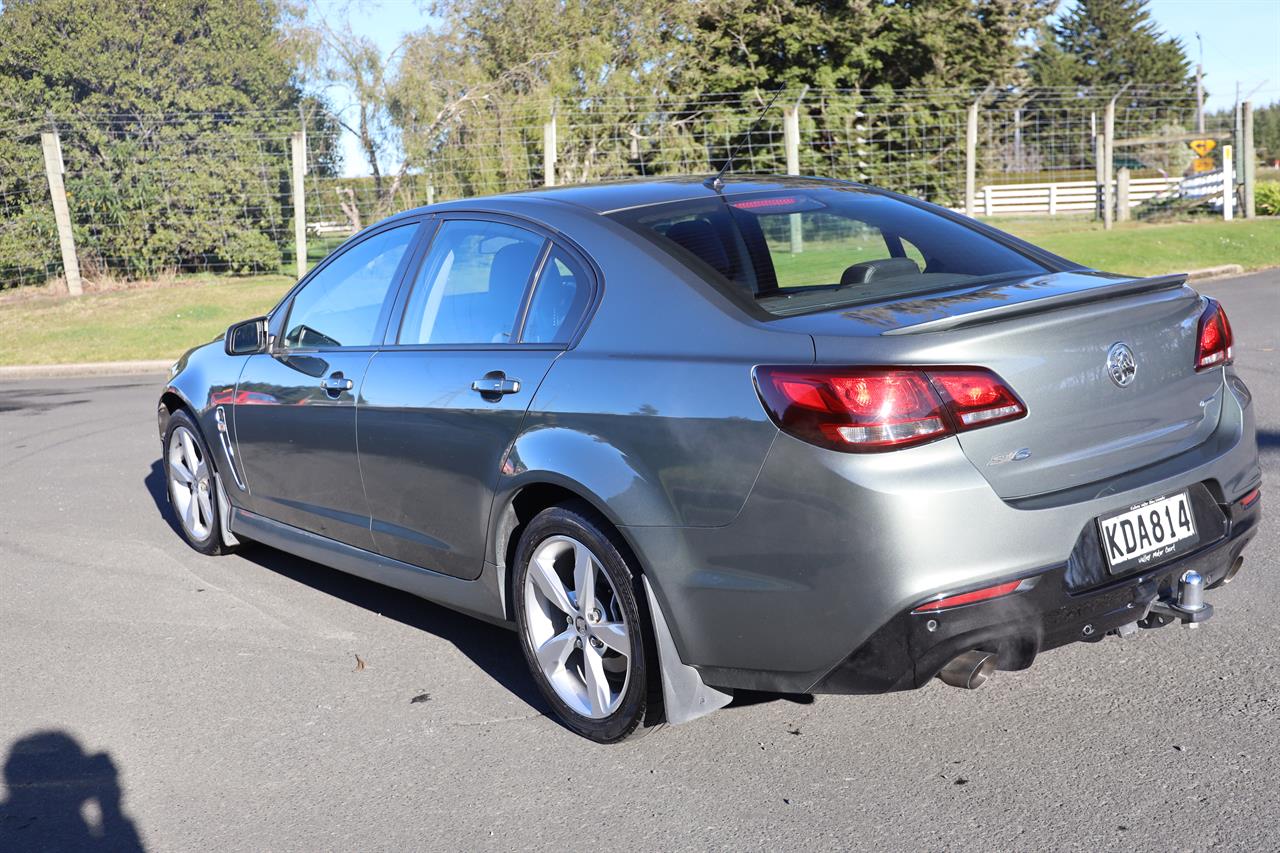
793, 252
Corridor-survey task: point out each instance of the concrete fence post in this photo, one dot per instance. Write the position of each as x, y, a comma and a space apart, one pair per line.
791, 144
1099, 173
298, 149
971, 160
53, 171
1248, 161
1228, 184
1108, 159
988, 202
549, 151
1122, 195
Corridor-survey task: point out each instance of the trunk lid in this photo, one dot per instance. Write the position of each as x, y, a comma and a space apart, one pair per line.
1050, 339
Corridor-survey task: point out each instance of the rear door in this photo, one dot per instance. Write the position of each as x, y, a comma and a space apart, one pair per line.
442, 401
295, 407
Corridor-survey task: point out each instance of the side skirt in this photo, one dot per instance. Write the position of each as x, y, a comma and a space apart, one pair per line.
480, 598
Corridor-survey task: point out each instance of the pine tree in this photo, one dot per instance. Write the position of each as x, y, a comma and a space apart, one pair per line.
1103, 44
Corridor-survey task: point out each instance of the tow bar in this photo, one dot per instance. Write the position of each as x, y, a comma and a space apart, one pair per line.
1189, 607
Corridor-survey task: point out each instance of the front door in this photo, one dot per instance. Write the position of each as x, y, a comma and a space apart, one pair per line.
295, 407
443, 401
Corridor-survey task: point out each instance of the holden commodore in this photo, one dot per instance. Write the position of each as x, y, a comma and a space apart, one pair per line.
689, 437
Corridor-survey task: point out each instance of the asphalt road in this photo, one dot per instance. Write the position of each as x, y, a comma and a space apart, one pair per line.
215, 703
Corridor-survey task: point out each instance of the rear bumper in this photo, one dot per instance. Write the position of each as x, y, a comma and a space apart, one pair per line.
831, 549
911, 648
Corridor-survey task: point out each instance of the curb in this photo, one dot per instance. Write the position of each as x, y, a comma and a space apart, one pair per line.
1215, 272
98, 368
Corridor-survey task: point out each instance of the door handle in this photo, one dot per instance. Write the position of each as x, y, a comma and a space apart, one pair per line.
336, 383
496, 385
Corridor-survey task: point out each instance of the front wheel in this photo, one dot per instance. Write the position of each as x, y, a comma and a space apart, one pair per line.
192, 486
581, 625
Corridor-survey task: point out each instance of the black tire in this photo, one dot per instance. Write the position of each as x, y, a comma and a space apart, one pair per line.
205, 535
639, 705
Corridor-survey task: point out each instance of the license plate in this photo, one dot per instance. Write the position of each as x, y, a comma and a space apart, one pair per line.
1148, 533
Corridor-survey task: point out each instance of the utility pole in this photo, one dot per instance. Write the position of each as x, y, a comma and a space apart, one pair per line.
1200, 99
1200, 88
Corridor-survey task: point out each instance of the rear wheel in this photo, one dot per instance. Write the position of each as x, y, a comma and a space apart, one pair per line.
192, 486
578, 609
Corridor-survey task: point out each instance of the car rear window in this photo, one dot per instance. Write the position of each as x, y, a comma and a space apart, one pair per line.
792, 252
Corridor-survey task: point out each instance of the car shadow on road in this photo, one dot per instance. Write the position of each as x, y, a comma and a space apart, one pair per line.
495, 650
1268, 441
59, 798
159, 490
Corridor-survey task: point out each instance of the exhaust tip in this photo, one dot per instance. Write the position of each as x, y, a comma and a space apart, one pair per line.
1236, 565
969, 670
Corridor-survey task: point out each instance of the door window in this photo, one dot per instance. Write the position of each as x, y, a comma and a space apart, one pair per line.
471, 284
559, 299
340, 305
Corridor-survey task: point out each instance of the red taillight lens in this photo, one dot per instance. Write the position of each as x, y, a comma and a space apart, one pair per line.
977, 397
969, 597
1213, 339
867, 409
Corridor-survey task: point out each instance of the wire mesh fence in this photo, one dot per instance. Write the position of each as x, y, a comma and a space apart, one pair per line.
193, 192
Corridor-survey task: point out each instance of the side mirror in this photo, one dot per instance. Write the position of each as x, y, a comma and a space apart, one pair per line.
247, 337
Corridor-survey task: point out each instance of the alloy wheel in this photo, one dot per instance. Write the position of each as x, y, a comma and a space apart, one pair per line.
190, 486
576, 627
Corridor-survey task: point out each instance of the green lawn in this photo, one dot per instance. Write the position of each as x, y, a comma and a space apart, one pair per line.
143, 323
1139, 249
162, 321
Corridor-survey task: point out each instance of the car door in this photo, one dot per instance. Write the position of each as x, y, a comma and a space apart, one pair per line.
295, 406
491, 305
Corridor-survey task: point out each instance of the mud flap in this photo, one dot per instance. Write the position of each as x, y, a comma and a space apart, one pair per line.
684, 695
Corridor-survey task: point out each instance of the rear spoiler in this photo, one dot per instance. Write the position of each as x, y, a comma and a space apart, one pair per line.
1115, 290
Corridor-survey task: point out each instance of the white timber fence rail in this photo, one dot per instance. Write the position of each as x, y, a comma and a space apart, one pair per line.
1063, 197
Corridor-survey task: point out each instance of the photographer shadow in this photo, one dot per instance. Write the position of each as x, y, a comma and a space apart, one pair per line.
59, 798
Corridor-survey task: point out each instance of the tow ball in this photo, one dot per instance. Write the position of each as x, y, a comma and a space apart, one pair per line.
1189, 607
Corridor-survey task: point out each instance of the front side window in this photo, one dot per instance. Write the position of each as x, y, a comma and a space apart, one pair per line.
340, 305
471, 284
818, 248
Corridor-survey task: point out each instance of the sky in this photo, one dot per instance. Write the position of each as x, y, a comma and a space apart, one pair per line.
1240, 39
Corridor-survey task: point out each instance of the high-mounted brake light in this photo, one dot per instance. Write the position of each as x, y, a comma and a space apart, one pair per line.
977, 595
757, 203
1214, 340
865, 409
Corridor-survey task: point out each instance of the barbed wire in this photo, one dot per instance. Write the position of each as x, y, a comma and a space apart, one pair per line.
212, 190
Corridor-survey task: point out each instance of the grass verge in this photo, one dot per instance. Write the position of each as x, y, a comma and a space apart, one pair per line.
1136, 248
162, 321
136, 324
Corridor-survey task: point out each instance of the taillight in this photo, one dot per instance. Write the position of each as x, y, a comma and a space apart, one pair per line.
863, 409
1213, 339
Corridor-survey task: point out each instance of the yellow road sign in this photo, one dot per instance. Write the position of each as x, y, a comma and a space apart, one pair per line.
1202, 147
1203, 164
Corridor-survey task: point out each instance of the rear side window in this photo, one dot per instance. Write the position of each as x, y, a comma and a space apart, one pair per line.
471, 284
819, 248
559, 300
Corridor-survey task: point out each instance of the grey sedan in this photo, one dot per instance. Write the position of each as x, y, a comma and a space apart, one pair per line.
694, 437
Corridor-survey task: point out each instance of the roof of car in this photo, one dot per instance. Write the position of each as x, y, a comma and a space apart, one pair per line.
619, 195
